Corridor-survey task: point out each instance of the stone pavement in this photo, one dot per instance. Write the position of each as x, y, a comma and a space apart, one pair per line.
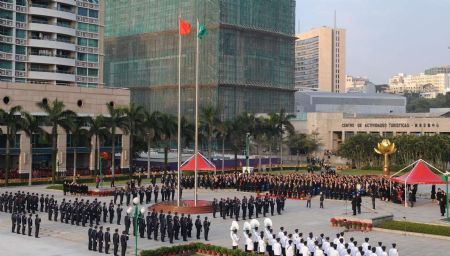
64, 239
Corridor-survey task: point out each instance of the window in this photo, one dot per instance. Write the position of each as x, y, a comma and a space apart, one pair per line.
21, 33
5, 64
93, 57
82, 56
82, 11
20, 66
82, 71
6, 48
93, 72
20, 49
21, 17
6, 14
93, 28
21, 2
82, 41
83, 26
93, 43
93, 13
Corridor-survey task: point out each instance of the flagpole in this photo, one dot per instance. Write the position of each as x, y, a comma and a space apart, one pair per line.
179, 115
196, 121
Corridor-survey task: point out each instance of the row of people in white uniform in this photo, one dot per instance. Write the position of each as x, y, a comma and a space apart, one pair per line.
282, 244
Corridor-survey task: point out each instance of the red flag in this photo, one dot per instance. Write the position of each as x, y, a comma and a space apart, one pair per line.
185, 27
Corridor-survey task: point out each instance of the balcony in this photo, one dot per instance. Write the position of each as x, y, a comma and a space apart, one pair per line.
88, 5
20, 57
87, 49
21, 8
6, 6
51, 75
87, 19
5, 72
87, 35
57, 60
6, 39
51, 29
50, 43
21, 73
6, 22
21, 25
20, 41
85, 64
6, 56
50, 12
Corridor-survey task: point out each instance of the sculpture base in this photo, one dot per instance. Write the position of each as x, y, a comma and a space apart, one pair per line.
186, 207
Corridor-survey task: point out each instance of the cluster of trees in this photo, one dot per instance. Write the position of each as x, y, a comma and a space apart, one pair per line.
417, 104
152, 129
434, 149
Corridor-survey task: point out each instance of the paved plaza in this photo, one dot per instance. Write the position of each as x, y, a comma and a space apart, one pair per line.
57, 238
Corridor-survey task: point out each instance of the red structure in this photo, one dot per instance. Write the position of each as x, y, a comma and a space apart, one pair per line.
203, 164
419, 174
186, 207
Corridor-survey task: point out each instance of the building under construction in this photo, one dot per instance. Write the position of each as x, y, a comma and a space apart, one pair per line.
246, 60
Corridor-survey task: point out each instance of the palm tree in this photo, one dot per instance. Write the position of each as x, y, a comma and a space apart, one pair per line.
187, 132
169, 129
97, 130
281, 123
240, 126
223, 132
10, 119
78, 133
259, 135
209, 118
135, 120
116, 119
151, 131
31, 126
302, 144
57, 116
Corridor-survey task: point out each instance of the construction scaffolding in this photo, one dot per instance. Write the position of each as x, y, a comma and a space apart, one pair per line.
246, 60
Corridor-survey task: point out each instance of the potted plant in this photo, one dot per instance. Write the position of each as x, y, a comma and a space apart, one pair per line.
369, 226
357, 225
364, 226
333, 222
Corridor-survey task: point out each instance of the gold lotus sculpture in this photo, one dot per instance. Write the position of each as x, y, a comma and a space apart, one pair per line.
386, 148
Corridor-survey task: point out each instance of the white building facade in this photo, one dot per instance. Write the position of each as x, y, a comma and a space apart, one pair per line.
429, 86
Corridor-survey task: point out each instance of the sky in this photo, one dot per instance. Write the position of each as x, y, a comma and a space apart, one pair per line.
385, 37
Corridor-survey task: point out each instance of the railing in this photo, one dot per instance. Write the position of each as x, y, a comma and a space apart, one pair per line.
40, 22
87, 34
21, 73
52, 71
88, 5
6, 39
59, 8
21, 8
6, 6
87, 19
20, 57
51, 39
21, 24
5, 72
6, 22
20, 41
6, 55
61, 24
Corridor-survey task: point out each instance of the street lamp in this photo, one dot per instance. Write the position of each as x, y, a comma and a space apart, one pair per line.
247, 149
135, 210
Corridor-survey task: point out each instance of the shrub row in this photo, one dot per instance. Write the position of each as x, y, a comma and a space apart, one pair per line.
193, 248
416, 227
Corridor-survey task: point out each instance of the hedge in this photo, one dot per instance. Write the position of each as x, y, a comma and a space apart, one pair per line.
193, 248
416, 227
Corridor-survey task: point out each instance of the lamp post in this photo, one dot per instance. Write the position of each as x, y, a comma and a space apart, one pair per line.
247, 149
135, 211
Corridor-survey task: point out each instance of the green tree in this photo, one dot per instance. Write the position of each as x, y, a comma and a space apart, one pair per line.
169, 129
78, 133
99, 131
209, 119
152, 131
31, 126
135, 120
223, 132
300, 143
116, 119
56, 116
12, 120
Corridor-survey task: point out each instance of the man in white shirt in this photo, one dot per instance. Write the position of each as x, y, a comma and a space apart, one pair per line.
310, 242
283, 242
277, 247
378, 249
281, 233
333, 251
270, 241
318, 252
235, 239
336, 240
304, 249
341, 248
249, 244
246, 233
326, 245
261, 245
366, 244
393, 251
373, 253
290, 251
255, 238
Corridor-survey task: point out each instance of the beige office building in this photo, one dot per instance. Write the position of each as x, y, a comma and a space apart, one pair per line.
332, 129
84, 102
428, 85
320, 60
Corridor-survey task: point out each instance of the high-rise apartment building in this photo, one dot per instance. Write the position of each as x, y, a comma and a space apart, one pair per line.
428, 86
57, 42
320, 60
246, 60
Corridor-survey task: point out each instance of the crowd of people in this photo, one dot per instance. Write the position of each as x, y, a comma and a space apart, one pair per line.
283, 243
75, 188
259, 205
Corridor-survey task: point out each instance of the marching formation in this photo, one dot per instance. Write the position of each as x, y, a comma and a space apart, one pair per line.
283, 243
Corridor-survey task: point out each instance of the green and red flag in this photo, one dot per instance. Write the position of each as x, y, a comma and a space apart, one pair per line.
185, 27
202, 31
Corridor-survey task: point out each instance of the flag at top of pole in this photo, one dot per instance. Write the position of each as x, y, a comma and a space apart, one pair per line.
185, 27
202, 31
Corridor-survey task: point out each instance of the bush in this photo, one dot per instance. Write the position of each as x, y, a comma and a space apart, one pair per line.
416, 227
191, 249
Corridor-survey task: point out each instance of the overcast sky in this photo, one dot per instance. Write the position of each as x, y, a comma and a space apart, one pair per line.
385, 37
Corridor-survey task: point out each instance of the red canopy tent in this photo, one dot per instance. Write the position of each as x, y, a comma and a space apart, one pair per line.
203, 164
420, 174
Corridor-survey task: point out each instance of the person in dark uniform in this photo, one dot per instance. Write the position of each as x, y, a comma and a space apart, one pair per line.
30, 224
141, 222
55, 209
206, 225
90, 238
176, 226
19, 221
116, 240
105, 212
119, 214
189, 226
183, 226
107, 240
373, 197
198, 226
37, 224
244, 206
111, 213
123, 243
354, 205
24, 223
215, 207
358, 203
13, 222
170, 230
322, 198
155, 229
149, 227
94, 239
127, 223
442, 204
163, 227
